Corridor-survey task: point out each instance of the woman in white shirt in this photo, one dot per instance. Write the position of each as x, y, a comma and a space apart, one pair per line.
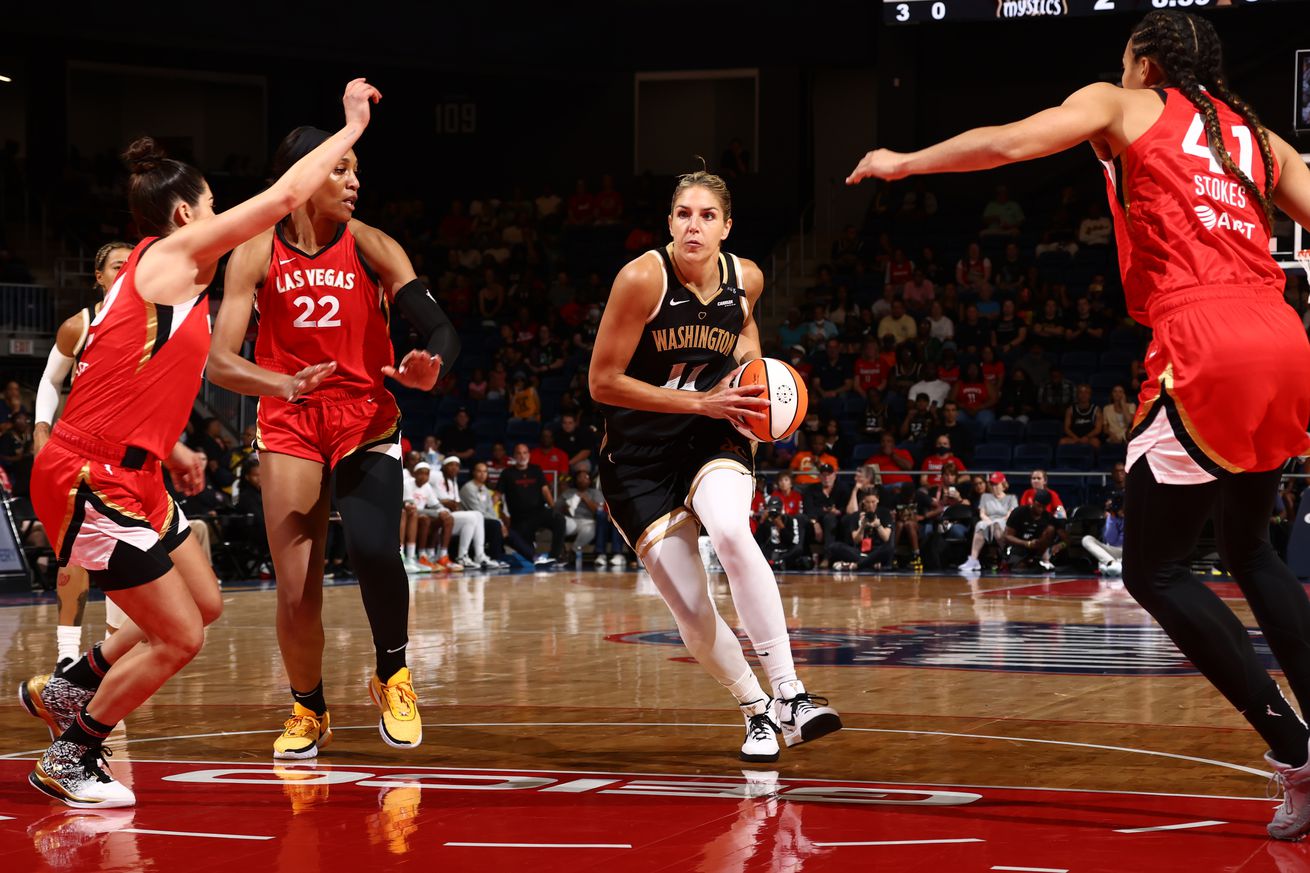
1117, 417
468, 527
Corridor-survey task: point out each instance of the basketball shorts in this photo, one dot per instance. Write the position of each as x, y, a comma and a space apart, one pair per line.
328, 426
649, 488
106, 509
1226, 390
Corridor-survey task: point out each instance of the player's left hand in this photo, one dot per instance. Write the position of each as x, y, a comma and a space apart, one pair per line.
188, 470
879, 164
418, 370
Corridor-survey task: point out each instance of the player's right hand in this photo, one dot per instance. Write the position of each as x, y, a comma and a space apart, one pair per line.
742, 402
356, 99
40, 436
879, 164
308, 379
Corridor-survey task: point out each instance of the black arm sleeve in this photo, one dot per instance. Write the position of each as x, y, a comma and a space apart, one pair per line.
421, 310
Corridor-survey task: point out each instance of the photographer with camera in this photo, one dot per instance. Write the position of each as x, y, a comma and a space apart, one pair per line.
1029, 532
782, 538
871, 545
1109, 550
824, 502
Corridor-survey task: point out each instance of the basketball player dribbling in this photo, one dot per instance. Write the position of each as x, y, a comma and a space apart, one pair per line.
1192, 177
99, 481
678, 322
70, 340
322, 282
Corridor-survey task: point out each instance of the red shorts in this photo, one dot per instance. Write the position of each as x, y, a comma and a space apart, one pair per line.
1227, 388
105, 508
327, 426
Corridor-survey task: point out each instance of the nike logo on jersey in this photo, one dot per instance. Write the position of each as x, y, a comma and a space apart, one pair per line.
679, 302
282, 261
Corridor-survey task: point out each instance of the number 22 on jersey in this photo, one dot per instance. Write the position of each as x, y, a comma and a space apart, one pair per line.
326, 307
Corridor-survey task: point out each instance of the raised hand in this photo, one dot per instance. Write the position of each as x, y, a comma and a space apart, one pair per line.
418, 369
359, 94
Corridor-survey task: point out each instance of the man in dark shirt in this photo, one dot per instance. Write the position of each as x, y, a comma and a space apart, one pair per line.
870, 542
833, 372
575, 441
529, 507
1056, 395
972, 333
457, 438
961, 441
825, 502
16, 452
1030, 531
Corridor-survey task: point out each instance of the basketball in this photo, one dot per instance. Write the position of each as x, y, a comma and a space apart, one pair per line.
788, 399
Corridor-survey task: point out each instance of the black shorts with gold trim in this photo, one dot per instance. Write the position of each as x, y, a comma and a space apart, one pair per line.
649, 487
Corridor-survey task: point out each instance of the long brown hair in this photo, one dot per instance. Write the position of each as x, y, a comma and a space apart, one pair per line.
1188, 50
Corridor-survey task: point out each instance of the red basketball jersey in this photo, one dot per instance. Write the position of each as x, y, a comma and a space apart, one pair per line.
140, 369
324, 307
1180, 220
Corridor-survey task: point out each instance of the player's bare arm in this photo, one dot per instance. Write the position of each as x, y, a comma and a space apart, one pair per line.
226, 367
635, 294
1292, 194
752, 282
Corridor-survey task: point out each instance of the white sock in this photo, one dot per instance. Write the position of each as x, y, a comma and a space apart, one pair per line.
747, 689
411, 551
69, 641
441, 553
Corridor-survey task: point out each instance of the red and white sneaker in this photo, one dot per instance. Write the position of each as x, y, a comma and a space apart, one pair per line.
1292, 817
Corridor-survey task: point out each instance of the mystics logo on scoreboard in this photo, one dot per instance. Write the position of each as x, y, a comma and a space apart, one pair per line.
1031, 8
1012, 647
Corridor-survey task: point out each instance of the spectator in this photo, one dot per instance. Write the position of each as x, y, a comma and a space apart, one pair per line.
836, 444
899, 270
890, 459
993, 371
1085, 330
946, 494
871, 546
1096, 228
1035, 363
580, 505
16, 452
1039, 481
1009, 333
250, 504
973, 271
1118, 480
575, 441
906, 372
431, 452
781, 537
1109, 549
932, 385
477, 386
805, 464
424, 522
976, 398
919, 421
1050, 324
546, 356
581, 206
1082, 420
584, 338
523, 330
793, 502
608, 202
919, 293
898, 324
994, 510
847, 248
1117, 416
918, 204
454, 228
528, 505
1012, 272
457, 438
1002, 216
735, 161
550, 457
972, 333
819, 329
524, 403
477, 497
1018, 400
498, 461
825, 502
466, 524
952, 428
871, 370
1030, 532
792, 331
497, 383
1056, 396
941, 456
909, 514
876, 418
989, 308
941, 327
948, 370
832, 372
802, 367
882, 307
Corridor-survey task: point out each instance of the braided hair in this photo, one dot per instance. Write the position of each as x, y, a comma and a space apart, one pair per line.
1187, 49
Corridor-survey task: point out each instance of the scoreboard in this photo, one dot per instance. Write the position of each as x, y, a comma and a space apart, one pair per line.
912, 11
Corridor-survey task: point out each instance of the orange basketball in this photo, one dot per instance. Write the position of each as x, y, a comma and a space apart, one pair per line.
785, 391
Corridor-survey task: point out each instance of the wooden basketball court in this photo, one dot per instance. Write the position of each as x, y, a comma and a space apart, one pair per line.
1021, 724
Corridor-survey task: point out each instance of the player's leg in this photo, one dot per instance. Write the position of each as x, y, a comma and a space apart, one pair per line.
71, 591
721, 498
366, 485
675, 566
295, 515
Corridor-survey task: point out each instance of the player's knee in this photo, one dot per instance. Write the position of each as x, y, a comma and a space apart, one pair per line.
211, 608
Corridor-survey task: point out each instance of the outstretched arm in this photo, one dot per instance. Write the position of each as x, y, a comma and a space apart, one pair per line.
1086, 115
1293, 192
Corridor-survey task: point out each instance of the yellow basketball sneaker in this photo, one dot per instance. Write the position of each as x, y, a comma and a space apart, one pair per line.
400, 724
302, 735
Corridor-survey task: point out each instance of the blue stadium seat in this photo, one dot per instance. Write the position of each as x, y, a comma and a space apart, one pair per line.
1006, 431
1117, 359
1104, 381
852, 405
449, 405
1111, 454
1032, 456
490, 427
498, 408
1085, 361
1076, 456
992, 456
521, 430
864, 451
1045, 431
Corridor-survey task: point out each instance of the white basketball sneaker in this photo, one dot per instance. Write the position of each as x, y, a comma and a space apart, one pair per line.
79, 777
1292, 817
803, 717
971, 566
761, 743
1112, 568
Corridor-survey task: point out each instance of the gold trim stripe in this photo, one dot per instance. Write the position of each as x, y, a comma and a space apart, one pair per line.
152, 332
83, 475
1167, 383
716, 464
374, 439
661, 528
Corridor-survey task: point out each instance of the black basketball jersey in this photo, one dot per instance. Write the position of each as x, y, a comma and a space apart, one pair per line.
688, 344
1083, 420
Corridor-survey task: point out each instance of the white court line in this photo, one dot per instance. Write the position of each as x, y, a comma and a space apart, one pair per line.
970, 839
189, 834
1178, 827
1263, 774
542, 845
1035, 869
